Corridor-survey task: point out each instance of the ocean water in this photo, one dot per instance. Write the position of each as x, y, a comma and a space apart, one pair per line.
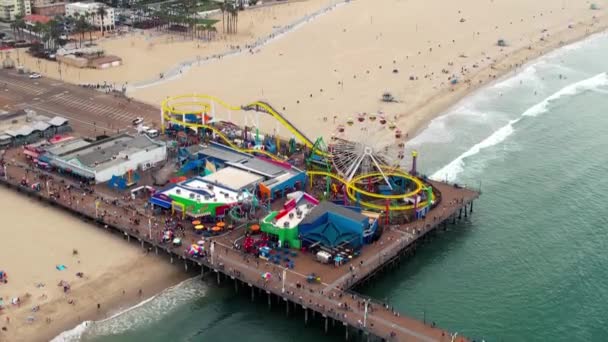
530, 265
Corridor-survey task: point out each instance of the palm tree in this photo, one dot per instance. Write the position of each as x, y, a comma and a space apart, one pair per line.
19, 24
223, 9
81, 26
101, 11
88, 25
37, 29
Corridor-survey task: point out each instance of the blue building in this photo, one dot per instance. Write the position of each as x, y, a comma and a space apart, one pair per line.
278, 178
332, 226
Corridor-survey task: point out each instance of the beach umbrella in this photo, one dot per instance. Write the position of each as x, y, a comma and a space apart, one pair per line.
201, 242
196, 222
216, 229
199, 227
255, 228
221, 224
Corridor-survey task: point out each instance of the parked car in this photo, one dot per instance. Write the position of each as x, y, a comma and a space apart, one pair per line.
152, 133
138, 120
35, 76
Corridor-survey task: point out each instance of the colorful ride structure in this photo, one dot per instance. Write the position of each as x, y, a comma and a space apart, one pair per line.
364, 164
124, 181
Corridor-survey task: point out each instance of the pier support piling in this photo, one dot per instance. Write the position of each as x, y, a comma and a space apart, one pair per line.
218, 277
326, 324
269, 302
471, 206
186, 264
460, 212
156, 250
202, 272
142, 244
236, 286
172, 259
252, 294
305, 316
465, 209
346, 333
286, 308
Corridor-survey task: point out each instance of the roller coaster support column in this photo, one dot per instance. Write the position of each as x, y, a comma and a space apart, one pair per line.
414, 157
162, 121
415, 207
386, 219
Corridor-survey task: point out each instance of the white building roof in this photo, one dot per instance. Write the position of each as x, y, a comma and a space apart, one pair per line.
205, 192
58, 121
233, 178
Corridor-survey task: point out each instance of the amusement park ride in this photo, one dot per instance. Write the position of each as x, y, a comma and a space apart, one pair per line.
364, 161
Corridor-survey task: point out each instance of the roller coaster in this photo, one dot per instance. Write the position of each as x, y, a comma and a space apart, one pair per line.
175, 110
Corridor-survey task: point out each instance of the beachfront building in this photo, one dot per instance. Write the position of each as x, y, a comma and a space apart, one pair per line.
304, 221
21, 127
283, 224
90, 8
48, 8
9, 9
279, 178
103, 159
208, 196
332, 226
32, 19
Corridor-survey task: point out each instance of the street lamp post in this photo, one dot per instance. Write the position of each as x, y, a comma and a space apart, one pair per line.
150, 228
365, 313
284, 276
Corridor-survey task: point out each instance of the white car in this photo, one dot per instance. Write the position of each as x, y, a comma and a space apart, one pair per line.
138, 121
152, 133
35, 76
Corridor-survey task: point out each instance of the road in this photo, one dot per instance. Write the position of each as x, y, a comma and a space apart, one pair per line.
89, 110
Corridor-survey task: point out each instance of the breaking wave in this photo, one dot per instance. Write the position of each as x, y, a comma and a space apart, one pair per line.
450, 171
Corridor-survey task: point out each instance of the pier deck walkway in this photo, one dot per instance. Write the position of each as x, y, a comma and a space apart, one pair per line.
330, 298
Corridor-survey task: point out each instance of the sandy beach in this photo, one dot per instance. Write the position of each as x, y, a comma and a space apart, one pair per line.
428, 55
33, 245
370, 48
147, 53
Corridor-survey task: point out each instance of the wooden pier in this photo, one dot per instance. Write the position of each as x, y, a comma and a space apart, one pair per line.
330, 301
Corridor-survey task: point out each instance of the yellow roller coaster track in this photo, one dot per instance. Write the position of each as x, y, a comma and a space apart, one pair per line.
227, 140
352, 189
169, 107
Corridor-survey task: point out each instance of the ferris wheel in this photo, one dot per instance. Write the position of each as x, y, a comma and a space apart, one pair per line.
367, 144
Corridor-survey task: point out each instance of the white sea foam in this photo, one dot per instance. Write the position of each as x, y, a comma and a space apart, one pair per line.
72, 335
592, 83
149, 311
453, 169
